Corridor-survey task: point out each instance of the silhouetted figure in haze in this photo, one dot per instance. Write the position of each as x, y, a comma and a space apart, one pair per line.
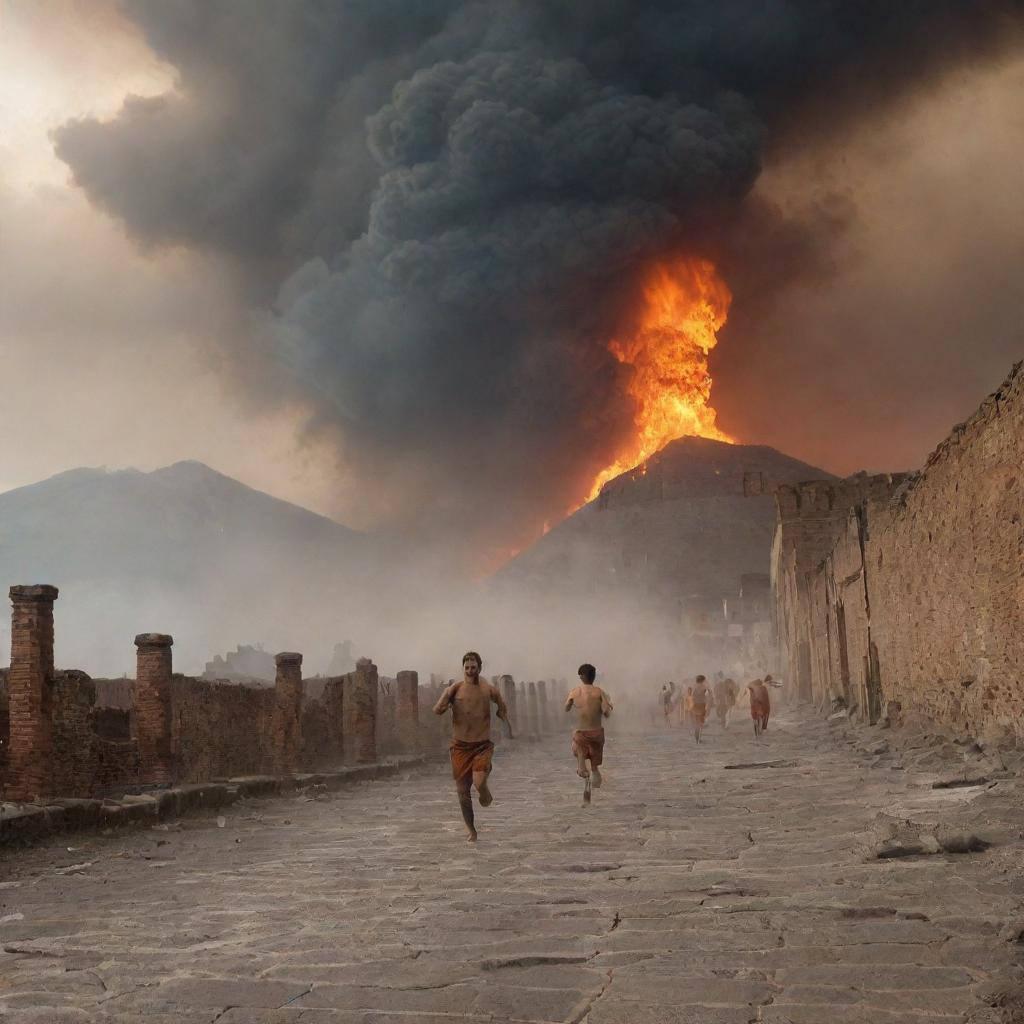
726, 691
760, 706
700, 701
668, 699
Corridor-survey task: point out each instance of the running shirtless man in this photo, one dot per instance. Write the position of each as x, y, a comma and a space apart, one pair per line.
471, 748
591, 703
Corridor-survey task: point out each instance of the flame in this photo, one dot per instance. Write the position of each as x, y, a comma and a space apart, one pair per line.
685, 305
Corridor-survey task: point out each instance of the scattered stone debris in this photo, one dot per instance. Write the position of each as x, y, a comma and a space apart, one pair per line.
908, 839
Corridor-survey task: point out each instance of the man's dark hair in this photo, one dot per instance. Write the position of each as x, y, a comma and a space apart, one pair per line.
701, 679
473, 654
587, 673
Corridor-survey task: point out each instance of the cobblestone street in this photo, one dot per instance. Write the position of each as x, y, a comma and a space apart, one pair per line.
697, 889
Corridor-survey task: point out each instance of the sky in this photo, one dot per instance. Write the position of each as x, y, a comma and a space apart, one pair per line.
875, 266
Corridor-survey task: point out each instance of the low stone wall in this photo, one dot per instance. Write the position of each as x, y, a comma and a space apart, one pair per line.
322, 716
75, 737
5, 724
29, 823
220, 729
918, 606
115, 693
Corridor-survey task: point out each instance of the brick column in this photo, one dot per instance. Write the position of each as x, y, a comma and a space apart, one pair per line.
287, 729
407, 712
533, 710
386, 711
30, 689
508, 691
361, 713
442, 723
543, 709
153, 707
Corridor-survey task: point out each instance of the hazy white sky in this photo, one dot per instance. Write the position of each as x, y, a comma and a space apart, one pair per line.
110, 347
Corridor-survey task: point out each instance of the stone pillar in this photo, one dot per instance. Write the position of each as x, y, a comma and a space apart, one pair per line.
153, 707
533, 710
508, 691
30, 689
287, 726
386, 716
441, 723
543, 709
559, 691
361, 713
407, 712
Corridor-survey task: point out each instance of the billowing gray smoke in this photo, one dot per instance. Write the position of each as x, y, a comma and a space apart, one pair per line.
439, 209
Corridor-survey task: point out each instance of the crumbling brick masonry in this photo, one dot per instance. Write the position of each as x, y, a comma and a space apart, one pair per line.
909, 592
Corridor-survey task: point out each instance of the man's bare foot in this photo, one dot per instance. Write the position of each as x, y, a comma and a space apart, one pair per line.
486, 797
596, 776
471, 838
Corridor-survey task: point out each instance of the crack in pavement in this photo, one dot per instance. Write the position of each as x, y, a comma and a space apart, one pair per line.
582, 1009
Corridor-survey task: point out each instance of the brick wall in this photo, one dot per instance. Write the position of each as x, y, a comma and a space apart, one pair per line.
360, 713
115, 693
30, 693
64, 734
810, 518
386, 709
945, 569
74, 755
220, 729
919, 599
322, 722
5, 727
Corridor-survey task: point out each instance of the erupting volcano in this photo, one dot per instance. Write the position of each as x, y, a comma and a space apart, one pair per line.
685, 305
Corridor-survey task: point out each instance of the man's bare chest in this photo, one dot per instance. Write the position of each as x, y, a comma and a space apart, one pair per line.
470, 703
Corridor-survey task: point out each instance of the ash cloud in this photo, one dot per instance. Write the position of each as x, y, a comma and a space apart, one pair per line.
438, 210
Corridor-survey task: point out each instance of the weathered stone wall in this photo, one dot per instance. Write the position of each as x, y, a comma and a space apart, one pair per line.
920, 600
220, 729
360, 713
58, 738
115, 693
74, 758
5, 726
386, 709
30, 693
945, 569
810, 519
322, 722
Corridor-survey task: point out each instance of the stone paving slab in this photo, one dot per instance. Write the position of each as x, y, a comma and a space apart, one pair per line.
687, 893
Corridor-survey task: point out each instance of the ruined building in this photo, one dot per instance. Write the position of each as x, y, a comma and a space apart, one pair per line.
901, 595
245, 664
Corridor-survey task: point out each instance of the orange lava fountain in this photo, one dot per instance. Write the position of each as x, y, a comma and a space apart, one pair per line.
686, 304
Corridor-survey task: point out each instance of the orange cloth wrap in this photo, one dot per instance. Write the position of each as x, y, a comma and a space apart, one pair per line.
470, 757
760, 709
589, 742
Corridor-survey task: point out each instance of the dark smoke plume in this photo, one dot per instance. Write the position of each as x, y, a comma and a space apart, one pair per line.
441, 208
